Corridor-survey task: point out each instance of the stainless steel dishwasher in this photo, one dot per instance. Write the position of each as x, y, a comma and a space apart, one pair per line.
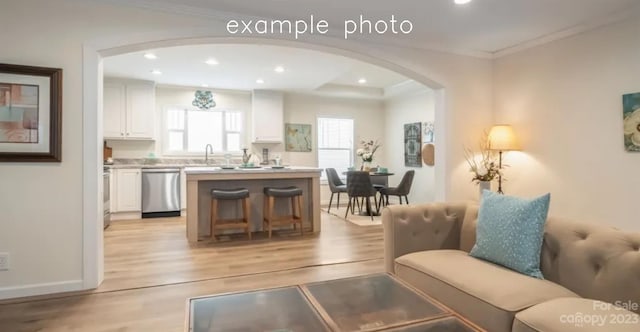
160, 192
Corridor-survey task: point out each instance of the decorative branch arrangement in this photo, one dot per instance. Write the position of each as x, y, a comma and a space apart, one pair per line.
487, 167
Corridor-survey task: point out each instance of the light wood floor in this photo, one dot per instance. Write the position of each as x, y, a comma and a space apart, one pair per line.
150, 271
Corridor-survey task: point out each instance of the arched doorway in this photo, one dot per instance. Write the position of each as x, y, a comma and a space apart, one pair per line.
93, 256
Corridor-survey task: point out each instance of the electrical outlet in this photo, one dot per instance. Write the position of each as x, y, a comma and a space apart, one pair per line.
4, 261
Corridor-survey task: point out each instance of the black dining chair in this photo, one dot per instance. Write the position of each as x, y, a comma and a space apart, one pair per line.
402, 190
335, 185
359, 186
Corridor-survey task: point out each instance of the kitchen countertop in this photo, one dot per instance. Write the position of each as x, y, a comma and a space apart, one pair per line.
201, 180
118, 166
266, 169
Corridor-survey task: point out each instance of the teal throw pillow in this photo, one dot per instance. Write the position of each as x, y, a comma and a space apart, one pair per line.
510, 231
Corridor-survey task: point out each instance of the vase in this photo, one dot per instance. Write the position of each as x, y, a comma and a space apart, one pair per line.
483, 185
245, 157
366, 166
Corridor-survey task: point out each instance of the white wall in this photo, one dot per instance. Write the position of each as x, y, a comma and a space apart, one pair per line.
367, 115
42, 204
565, 102
400, 110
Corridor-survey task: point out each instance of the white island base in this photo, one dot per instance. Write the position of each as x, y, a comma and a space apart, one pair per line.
200, 181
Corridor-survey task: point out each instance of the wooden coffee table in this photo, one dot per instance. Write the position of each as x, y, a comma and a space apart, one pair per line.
377, 302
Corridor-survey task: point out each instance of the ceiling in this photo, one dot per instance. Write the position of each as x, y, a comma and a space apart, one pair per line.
238, 68
483, 28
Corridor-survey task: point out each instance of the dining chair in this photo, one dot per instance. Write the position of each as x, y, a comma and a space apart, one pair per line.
335, 185
402, 190
359, 186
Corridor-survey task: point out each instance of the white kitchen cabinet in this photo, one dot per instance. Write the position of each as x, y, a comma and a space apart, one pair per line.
114, 109
267, 117
127, 194
129, 110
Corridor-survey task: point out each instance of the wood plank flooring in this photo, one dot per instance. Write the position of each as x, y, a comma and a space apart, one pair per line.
150, 271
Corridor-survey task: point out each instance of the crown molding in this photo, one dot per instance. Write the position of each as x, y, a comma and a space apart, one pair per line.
404, 89
572, 31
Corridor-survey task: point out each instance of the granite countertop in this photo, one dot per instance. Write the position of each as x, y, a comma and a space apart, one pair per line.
165, 163
265, 169
172, 165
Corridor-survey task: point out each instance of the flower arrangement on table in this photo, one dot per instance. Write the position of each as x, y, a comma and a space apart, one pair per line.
487, 167
366, 152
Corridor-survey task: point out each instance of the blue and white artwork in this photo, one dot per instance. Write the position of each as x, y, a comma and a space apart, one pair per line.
631, 116
204, 100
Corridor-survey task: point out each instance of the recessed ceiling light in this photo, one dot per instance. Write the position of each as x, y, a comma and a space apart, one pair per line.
362, 81
461, 2
150, 56
279, 69
259, 81
156, 72
212, 62
205, 85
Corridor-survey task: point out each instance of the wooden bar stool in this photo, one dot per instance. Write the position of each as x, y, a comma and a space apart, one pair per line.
270, 195
230, 195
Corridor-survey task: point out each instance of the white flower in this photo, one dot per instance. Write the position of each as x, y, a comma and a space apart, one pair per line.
367, 155
360, 152
481, 170
632, 126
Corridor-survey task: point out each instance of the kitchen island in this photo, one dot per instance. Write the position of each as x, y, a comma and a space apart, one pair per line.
200, 181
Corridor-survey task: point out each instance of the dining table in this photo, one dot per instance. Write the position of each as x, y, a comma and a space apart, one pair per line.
377, 178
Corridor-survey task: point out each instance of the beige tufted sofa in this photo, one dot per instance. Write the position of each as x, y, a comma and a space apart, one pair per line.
427, 246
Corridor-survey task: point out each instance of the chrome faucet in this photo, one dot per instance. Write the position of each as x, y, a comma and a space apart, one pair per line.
207, 148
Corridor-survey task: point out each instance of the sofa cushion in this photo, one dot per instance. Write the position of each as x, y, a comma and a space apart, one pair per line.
510, 231
486, 293
595, 261
576, 314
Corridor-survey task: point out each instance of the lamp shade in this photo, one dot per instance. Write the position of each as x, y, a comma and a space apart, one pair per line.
503, 138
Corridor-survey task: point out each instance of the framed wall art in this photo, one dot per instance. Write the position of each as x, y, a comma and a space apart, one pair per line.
297, 137
30, 114
427, 132
413, 144
631, 121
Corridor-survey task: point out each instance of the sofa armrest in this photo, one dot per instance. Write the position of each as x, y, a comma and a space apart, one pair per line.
412, 228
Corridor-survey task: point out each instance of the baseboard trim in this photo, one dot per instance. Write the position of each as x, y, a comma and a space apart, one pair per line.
41, 289
126, 216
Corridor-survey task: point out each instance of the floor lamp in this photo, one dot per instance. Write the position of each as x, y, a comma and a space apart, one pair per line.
502, 138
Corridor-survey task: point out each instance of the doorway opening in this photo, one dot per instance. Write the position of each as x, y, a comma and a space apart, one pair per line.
379, 112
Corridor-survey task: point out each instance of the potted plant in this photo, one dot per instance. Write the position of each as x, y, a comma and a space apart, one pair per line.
485, 167
366, 152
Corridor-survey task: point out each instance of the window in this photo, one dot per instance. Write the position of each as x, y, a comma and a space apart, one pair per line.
189, 131
335, 144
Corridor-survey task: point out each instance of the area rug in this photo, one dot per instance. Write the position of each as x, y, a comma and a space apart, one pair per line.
354, 218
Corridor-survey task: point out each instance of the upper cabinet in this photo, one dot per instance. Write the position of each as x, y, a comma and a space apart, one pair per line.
129, 110
267, 117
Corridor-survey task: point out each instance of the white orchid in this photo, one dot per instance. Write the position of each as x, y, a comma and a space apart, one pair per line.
367, 150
